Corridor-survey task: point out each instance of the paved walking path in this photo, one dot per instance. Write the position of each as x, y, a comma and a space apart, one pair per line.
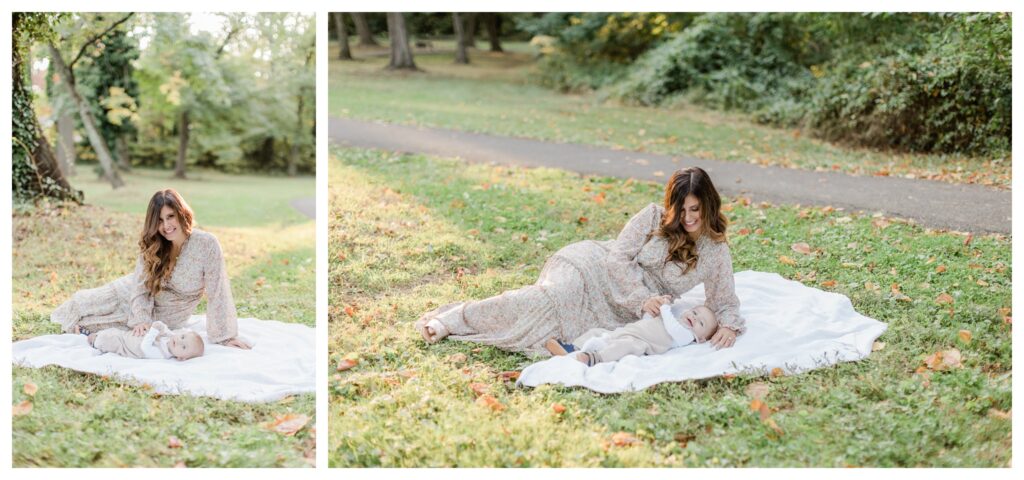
305, 206
972, 208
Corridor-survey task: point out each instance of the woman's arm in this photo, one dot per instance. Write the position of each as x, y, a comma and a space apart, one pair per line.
627, 288
141, 303
720, 289
221, 318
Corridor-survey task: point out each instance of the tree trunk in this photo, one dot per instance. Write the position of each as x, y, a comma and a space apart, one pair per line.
293, 155
460, 42
88, 122
183, 126
339, 23
267, 152
494, 31
66, 144
124, 160
401, 54
363, 30
471, 30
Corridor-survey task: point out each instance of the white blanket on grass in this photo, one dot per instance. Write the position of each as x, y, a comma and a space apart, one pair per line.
789, 326
282, 362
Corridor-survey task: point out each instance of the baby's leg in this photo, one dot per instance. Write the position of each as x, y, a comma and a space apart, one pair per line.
92, 338
121, 342
620, 347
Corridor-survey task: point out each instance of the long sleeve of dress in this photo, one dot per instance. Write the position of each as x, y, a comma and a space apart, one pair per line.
148, 345
627, 285
720, 289
141, 302
221, 318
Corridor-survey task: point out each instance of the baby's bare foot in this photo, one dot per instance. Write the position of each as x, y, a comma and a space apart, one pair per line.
582, 356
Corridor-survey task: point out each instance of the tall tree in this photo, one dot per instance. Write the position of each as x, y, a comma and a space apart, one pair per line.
107, 82
493, 23
401, 54
470, 34
339, 23
461, 56
300, 117
34, 171
363, 30
65, 70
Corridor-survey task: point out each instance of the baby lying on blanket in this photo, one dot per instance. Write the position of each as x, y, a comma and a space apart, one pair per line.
158, 342
648, 336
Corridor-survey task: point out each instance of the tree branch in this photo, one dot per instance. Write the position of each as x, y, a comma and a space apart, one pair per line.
97, 37
223, 45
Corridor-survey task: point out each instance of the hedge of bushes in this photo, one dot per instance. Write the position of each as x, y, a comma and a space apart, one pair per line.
936, 83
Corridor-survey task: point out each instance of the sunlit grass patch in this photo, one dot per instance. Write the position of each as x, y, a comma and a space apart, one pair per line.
461, 231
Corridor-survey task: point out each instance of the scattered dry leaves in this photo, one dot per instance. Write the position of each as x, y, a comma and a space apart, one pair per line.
624, 439
801, 247
964, 335
786, 260
758, 390
23, 408
940, 269
877, 346
944, 298
347, 364
488, 400
944, 360
479, 389
173, 442
509, 376
30, 389
558, 408
776, 372
829, 283
288, 424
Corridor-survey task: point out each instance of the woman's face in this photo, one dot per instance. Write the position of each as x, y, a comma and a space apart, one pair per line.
691, 214
169, 226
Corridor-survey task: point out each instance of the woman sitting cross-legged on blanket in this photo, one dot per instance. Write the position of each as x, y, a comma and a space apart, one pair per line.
661, 253
176, 267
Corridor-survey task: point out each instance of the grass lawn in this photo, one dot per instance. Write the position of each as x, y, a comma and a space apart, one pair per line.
82, 420
402, 243
493, 94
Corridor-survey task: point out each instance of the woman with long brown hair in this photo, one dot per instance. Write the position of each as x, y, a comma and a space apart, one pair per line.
177, 266
663, 252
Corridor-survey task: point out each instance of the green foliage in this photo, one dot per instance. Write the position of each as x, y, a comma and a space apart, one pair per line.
914, 82
107, 82
27, 183
594, 48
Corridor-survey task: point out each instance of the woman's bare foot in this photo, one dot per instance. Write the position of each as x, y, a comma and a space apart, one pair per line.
430, 327
555, 348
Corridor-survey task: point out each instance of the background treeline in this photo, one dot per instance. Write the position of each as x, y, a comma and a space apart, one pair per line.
936, 83
922, 82
149, 89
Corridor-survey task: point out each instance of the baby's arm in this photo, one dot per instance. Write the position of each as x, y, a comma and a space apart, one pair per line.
148, 346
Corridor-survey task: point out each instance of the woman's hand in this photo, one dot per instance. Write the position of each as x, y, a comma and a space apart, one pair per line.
140, 329
653, 304
235, 342
725, 337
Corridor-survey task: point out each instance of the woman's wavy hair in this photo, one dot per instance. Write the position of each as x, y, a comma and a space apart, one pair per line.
157, 250
684, 182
